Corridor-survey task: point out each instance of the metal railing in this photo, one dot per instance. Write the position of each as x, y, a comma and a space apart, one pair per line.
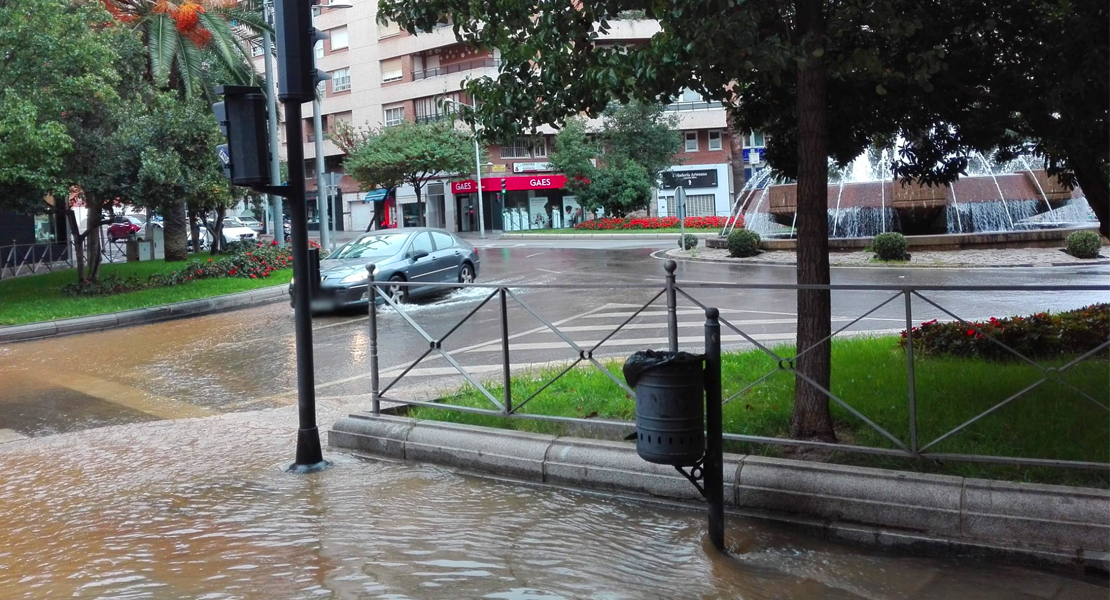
28, 259
481, 63
505, 405
696, 105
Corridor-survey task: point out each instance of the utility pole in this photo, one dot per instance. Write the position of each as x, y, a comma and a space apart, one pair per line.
277, 218
477, 169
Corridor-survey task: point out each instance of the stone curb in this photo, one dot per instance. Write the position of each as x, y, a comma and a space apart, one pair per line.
599, 236
139, 316
665, 254
1053, 525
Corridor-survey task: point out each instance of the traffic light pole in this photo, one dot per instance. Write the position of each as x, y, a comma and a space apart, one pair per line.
309, 455
277, 218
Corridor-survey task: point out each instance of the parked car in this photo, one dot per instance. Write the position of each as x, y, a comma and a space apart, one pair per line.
235, 230
252, 223
418, 255
125, 226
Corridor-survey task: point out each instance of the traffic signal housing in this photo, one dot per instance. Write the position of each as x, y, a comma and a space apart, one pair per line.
242, 119
296, 40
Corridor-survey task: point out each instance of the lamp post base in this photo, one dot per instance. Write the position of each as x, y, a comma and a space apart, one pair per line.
309, 457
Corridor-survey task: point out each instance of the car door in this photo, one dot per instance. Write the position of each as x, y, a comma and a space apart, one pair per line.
422, 266
448, 255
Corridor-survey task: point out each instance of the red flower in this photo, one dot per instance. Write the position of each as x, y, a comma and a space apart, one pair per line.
210, 260
274, 243
253, 277
970, 332
231, 272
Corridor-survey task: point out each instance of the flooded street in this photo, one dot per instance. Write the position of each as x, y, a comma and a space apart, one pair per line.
147, 462
200, 508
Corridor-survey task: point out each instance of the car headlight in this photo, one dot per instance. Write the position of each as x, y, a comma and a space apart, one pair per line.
358, 277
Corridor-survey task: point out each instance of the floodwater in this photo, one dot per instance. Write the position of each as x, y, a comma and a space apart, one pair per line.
201, 509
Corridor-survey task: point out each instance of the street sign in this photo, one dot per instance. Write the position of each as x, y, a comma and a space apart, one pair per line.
221, 152
332, 179
680, 202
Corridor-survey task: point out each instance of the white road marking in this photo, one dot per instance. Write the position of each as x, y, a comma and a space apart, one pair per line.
658, 341
549, 271
532, 255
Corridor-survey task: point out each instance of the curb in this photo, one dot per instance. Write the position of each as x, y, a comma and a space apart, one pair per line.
1057, 526
664, 255
599, 236
140, 316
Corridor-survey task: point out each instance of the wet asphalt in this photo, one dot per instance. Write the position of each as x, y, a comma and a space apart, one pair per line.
245, 360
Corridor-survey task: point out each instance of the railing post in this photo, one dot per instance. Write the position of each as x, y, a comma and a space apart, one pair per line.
672, 310
910, 379
505, 371
372, 296
712, 463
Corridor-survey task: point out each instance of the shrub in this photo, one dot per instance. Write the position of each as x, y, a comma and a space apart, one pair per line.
1041, 335
688, 242
890, 246
743, 243
253, 262
107, 285
1083, 244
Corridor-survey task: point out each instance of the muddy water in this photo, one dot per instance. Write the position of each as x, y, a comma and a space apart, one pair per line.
200, 508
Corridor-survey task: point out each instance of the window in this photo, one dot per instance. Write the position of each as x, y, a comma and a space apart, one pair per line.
691, 141
754, 139
338, 38
318, 49
371, 245
539, 149
391, 70
394, 116
689, 95
256, 49
388, 29
337, 118
714, 140
341, 80
443, 240
517, 149
422, 243
44, 228
697, 205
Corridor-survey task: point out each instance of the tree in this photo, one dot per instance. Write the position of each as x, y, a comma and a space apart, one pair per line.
781, 67
409, 153
635, 143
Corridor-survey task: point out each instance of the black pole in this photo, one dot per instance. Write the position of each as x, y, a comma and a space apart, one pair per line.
713, 467
309, 455
672, 306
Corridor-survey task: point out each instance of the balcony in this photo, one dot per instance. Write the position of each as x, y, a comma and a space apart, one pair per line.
469, 65
432, 118
699, 105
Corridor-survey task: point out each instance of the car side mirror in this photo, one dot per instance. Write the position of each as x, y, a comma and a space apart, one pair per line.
419, 255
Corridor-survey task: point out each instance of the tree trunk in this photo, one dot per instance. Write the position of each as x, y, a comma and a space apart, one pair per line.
811, 419
1096, 189
78, 243
218, 232
174, 231
420, 208
92, 238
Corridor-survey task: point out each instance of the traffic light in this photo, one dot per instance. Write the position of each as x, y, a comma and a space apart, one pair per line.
242, 119
296, 40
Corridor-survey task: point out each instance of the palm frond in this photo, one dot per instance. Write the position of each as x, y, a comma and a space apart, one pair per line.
190, 66
163, 45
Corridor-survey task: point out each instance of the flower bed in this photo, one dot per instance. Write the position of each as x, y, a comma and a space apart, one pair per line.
648, 223
1041, 335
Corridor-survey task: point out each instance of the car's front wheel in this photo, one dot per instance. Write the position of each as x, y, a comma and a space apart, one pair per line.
397, 293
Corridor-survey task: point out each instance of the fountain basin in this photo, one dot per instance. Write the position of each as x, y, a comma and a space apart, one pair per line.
1032, 238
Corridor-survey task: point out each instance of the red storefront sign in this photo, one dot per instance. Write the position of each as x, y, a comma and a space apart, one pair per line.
512, 184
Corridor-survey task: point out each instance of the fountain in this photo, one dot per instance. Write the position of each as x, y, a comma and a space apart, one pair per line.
1016, 203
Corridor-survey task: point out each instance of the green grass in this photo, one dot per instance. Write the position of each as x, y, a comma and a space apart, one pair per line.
39, 297
674, 230
1051, 421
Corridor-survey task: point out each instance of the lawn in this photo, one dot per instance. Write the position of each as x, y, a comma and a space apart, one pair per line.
39, 297
1050, 421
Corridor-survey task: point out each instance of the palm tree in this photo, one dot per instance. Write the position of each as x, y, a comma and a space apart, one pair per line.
181, 37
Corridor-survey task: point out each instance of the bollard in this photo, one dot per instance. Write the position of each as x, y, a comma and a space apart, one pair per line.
672, 306
372, 296
712, 464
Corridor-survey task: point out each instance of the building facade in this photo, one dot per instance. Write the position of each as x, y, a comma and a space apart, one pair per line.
382, 76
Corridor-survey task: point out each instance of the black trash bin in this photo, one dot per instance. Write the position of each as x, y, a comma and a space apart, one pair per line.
670, 406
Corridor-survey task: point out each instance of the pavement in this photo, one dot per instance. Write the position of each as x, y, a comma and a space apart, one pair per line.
245, 359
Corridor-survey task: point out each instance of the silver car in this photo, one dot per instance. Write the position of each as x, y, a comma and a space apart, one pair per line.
416, 255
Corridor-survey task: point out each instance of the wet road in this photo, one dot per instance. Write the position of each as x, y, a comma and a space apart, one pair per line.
244, 360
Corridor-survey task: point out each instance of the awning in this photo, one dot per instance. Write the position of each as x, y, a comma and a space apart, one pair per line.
512, 184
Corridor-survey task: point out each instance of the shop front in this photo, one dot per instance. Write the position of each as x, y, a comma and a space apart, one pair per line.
517, 203
706, 187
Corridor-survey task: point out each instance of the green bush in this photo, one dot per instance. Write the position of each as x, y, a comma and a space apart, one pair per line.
688, 242
890, 246
743, 243
1083, 244
1042, 335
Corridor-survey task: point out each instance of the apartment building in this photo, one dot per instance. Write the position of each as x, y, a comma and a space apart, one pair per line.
382, 76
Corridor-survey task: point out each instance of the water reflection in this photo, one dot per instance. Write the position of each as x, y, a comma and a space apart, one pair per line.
201, 509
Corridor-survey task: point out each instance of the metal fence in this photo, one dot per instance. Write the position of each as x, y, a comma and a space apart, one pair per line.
897, 298
28, 259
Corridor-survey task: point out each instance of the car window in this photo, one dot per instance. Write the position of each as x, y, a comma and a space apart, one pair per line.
443, 240
422, 243
370, 245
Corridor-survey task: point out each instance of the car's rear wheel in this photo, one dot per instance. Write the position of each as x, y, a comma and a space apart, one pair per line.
466, 273
397, 293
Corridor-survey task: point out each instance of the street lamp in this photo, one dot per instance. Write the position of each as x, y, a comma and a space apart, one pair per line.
322, 197
477, 169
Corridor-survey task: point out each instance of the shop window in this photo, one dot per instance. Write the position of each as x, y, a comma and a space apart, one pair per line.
714, 140
691, 141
